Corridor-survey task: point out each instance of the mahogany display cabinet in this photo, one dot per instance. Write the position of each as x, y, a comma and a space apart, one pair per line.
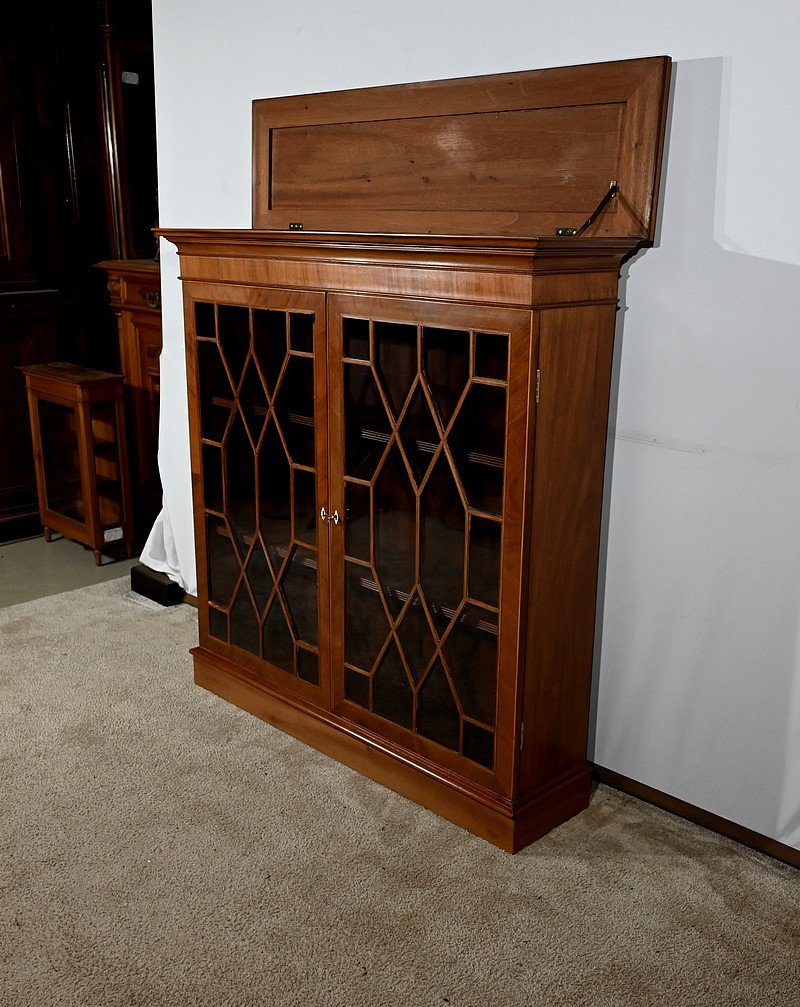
80, 454
399, 389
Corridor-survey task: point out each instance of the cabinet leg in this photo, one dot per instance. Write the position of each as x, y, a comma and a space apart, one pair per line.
48, 535
98, 557
129, 549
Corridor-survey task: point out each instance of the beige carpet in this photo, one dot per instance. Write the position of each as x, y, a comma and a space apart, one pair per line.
160, 847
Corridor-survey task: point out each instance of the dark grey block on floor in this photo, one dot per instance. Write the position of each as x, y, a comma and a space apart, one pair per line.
155, 586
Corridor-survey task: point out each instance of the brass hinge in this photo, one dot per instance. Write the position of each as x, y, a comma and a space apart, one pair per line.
522, 737
538, 384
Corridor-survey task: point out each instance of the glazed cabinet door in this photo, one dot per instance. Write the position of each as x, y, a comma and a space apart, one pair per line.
428, 426
60, 454
256, 360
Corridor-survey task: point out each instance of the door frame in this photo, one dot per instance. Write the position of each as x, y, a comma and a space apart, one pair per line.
519, 325
279, 299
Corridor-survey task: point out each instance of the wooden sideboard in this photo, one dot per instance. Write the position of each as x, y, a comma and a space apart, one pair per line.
398, 436
134, 287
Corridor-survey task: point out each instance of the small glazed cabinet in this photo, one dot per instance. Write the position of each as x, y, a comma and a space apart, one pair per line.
80, 454
398, 445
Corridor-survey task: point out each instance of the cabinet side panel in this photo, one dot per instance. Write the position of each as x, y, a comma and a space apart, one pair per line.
575, 351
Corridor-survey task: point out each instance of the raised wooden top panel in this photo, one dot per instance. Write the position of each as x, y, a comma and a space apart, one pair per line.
517, 154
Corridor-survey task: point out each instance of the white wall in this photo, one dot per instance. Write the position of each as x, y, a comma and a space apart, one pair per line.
697, 686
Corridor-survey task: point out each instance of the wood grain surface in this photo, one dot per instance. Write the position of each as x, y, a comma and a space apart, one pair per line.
518, 153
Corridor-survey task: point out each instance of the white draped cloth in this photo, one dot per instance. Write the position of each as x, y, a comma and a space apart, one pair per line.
170, 545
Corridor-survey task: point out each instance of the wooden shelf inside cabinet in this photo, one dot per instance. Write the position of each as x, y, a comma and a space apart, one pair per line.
80, 454
398, 387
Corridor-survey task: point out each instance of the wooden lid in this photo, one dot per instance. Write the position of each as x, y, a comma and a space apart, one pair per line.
75, 374
527, 154
148, 266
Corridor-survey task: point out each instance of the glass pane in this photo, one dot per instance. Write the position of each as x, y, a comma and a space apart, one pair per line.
253, 401
212, 477
395, 530
356, 687
240, 484
245, 630
216, 397
392, 697
424, 570
233, 326
223, 566
307, 665
294, 406
357, 521
442, 544
301, 332
477, 441
305, 506
484, 560
366, 428
204, 326
396, 352
109, 503
356, 338
471, 655
491, 355
416, 639
366, 628
269, 343
419, 435
58, 426
446, 362
274, 496
104, 424
437, 714
478, 744
277, 640
218, 624
259, 577
299, 587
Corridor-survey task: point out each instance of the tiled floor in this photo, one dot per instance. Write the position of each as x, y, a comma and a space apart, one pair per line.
32, 568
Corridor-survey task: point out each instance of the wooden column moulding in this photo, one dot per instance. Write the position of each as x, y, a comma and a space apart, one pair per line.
134, 287
398, 386
126, 98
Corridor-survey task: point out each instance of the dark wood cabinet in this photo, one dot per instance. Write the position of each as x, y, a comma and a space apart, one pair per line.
398, 443
77, 184
28, 335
